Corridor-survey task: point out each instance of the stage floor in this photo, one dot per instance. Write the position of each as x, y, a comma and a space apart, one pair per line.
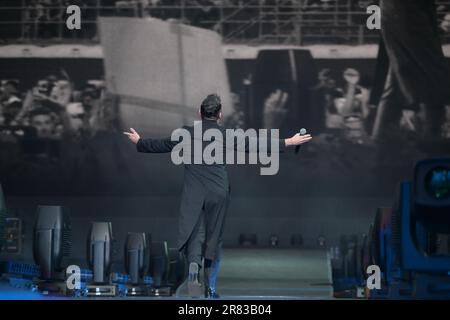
252, 274
277, 273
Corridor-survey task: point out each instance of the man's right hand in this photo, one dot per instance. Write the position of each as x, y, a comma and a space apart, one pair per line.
297, 140
133, 135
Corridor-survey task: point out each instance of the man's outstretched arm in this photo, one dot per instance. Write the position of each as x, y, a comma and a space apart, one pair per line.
251, 144
150, 145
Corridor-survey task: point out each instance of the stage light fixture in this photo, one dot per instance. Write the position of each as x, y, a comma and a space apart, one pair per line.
100, 252
321, 241
136, 256
159, 269
137, 262
274, 241
51, 242
248, 239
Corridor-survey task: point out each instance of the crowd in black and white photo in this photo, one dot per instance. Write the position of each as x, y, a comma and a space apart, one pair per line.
36, 122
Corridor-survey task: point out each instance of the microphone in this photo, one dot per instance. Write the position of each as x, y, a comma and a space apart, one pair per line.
302, 133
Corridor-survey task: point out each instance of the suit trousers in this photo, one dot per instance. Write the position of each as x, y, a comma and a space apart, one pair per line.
206, 240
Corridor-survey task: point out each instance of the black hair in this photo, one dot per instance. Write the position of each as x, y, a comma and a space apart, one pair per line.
211, 107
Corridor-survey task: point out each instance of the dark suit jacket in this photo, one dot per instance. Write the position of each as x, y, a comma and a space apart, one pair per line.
201, 181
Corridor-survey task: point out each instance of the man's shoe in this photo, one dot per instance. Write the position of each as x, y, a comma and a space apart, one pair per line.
211, 294
210, 291
194, 285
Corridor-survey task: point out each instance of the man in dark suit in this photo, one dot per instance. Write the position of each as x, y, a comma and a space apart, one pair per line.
206, 194
412, 72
